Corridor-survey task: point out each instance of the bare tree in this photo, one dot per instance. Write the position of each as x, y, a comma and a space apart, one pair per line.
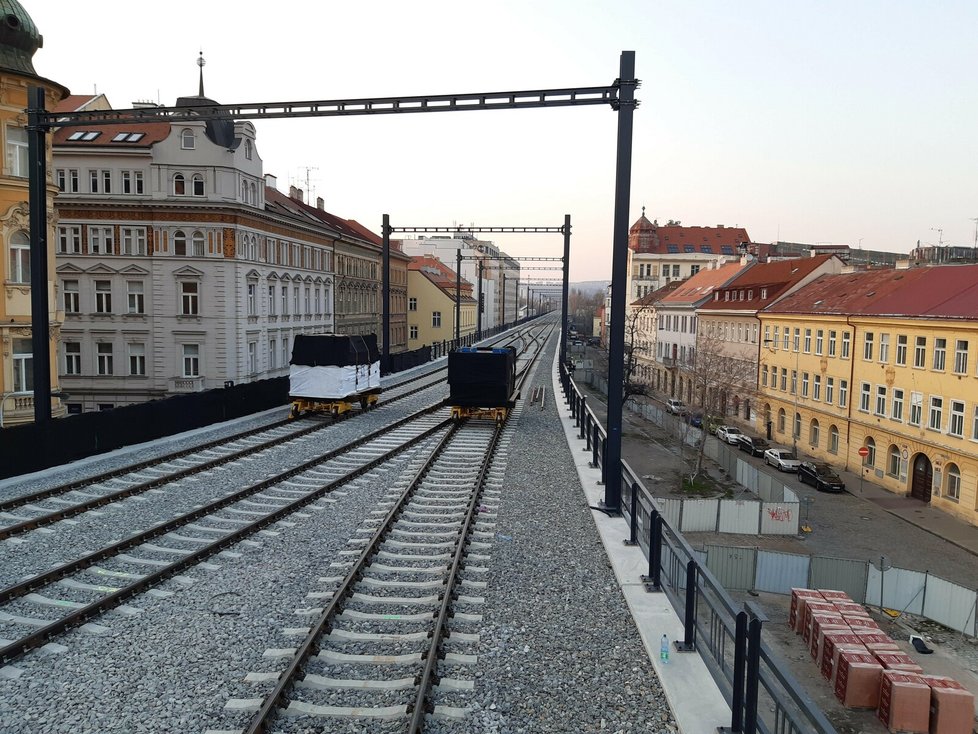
635, 346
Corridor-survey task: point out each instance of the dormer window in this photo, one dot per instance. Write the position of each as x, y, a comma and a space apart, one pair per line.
188, 140
763, 292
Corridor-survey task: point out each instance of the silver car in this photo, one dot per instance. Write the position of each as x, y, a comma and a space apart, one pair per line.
783, 459
730, 434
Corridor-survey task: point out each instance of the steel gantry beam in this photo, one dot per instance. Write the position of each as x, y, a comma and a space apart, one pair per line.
620, 96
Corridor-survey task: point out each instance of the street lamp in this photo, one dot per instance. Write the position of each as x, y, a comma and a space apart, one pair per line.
795, 420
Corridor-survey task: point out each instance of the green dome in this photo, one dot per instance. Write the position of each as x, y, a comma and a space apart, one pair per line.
19, 38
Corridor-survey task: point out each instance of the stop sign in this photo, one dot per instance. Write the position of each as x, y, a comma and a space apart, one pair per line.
863, 451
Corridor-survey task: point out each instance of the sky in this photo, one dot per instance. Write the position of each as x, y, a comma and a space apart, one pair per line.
816, 122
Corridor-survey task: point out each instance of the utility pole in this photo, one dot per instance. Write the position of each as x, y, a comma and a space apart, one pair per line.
974, 250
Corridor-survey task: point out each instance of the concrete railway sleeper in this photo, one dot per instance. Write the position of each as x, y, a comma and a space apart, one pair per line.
391, 640
244, 513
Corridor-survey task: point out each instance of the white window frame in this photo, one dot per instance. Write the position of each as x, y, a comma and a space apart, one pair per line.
136, 297
137, 359
20, 258
191, 360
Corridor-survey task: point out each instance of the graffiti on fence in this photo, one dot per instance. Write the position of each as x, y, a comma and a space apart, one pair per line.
779, 514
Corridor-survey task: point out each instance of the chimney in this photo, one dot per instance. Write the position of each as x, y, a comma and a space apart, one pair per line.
293, 192
320, 204
719, 226
903, 264
270, 181
300, 195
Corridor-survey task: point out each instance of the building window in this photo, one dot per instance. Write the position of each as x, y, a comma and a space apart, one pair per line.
936, 419
23, 366
777, 337
252, 299
70, 290
956, 425
868, 346
831, 343
817, 388
106, 182
137, 359
846, 340
100, 241
413, 332
271, 300
763, 377
189, 298
187, 139
135, 297
893, 461
285, 300
953, 491
897, 409
191, 360
198, 184
103, 359
961, 357
197, 243
93, 181
132, 182
974, 425
412, 304
813, 433
295, 300
864, 397
252, 358
794, 382
72, 358
919, 351
285, 351
133, 240
870, 459
843, 393
786, 339
179, 185
784, 380
804, 384
884, 348
901, 350
248, 150
69, 240
880, 400
808, 341
833, 439
272, 354
796, 428
829, 389
20, 258
17, 163
916, 408
180, 243
436, 319
796, 345
819, 340
940, 354
781, 420
306, 292
103, 296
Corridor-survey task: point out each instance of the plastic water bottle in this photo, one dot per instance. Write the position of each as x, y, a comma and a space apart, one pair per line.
664, 649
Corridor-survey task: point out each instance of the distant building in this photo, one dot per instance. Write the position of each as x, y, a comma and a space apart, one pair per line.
431, 303
21, 41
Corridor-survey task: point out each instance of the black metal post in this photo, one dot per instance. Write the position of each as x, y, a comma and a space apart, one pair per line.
653, 581
753, 666
458, 294
582, 414
478, 308
604, 461
633, 514
619, 265
595, 444
504, 322
38, 217
385, 286
564, 315
739, 665
688, 643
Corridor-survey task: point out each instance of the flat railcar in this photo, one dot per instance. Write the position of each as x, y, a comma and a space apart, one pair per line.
330, 373
482, 382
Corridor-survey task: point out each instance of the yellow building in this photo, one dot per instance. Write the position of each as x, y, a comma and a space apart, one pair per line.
885, 361
431, 303
21, 40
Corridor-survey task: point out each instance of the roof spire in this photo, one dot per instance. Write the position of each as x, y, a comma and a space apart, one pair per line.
200, 63
643, 211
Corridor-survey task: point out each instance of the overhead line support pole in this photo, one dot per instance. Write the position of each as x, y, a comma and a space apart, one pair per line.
385, 287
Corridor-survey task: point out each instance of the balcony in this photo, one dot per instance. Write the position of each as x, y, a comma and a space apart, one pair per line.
185, 384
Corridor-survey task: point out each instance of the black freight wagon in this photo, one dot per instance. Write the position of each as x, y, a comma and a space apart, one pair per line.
330, 372
482, 382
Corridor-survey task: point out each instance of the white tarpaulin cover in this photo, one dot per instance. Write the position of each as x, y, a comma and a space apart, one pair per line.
333, 383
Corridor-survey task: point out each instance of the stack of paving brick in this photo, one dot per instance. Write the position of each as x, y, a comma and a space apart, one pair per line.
867, 669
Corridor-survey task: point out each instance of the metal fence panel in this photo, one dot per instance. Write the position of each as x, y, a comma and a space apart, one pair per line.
746, 475
769, 488
733, 567
699, 516
739, 516
671, 510
951, 605
902, 589
845, 574
779, 518
779, 573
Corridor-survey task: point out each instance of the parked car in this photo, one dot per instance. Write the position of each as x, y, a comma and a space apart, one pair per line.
783, 459
676, 406
820, 476
694, 419
753, 445
730, 434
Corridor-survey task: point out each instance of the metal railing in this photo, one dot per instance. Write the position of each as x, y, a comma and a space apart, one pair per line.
763, 695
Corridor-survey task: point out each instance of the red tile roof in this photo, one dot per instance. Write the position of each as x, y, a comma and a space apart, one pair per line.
74, 102
650, 299
772, 279
853, 293
650, 237
153, 132
700, 286
441, 276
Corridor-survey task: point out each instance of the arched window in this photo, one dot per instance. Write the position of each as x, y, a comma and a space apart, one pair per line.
180, 243
781, 420
20, 258
254, 194
796, 428
198, 244
179, 185
871, 456
248, 149
244, 192
813, 432
833, 439
953, 490
188, 140
893, 461
198, 185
